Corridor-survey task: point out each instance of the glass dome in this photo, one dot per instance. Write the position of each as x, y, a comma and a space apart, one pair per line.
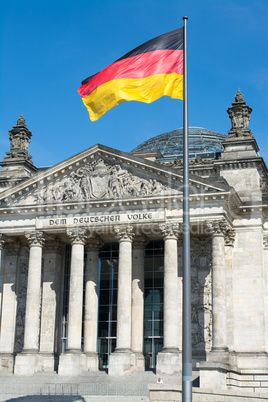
202, 142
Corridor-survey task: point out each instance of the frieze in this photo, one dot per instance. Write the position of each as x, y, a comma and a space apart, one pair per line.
98, 180
101, 219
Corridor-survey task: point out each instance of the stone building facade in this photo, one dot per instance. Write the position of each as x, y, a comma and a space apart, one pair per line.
91, 260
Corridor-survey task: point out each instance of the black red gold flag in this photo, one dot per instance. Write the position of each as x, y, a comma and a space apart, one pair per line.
144, 74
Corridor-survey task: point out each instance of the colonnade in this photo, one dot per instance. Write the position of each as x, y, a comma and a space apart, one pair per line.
128, 355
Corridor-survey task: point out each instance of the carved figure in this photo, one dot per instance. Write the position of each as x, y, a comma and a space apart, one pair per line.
99, 180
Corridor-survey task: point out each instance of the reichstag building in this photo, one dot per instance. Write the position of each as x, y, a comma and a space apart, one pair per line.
91, 257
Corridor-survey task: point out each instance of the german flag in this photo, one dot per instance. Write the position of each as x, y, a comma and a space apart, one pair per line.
144, 74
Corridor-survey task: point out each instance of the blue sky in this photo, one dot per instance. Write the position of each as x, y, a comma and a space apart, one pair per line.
48, 47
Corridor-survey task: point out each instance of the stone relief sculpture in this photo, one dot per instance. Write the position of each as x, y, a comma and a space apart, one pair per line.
21, 297
98, 180
201, 287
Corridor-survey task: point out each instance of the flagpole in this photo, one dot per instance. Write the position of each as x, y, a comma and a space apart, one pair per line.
186, 325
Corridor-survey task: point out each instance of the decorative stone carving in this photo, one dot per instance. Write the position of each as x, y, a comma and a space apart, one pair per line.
98, 180
201, 294
222, 228
21, 298
124, 232
229, 237
263, 183
35, 238
265, 241
170, 230
239, 114
77, 235
217, 227
3, 239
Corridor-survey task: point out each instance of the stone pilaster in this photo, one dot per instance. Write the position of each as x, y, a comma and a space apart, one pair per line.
229, 240
122, 360
169, 359
91, 302
73, 361
27, 362
53, 253
218, 230
8, 301
137, 321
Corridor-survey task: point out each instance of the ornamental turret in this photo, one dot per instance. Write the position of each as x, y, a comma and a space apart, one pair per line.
20, 137
239, 114
17, 164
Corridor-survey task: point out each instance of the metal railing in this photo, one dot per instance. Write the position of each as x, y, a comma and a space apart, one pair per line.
73, 389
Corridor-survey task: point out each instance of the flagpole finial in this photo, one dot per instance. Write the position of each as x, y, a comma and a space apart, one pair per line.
185, 18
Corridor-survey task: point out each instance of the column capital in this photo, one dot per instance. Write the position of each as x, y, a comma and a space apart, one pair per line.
35, 238
218, 227
124, 233
3, 239
77, 235
140, 242
94, 243
170, 230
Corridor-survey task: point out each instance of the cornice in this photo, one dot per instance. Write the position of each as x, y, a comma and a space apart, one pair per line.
87, 156
113, 204
243, 163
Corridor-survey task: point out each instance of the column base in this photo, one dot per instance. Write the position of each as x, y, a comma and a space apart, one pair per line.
6, 362
121, 363
26, 364
169, 362
218, 355
72, 364
47, 362
92, 361
139, 362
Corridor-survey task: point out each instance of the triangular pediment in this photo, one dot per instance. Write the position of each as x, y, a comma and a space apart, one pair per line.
102, 173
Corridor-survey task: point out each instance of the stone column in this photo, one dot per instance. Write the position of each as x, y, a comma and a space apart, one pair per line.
218, 230
137, 321
27, 362
169, 359
73, 362
121, 361
213, 372
50, 303
91, 303
8, 306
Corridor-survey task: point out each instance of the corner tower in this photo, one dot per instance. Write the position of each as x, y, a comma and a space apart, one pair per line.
17, 164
